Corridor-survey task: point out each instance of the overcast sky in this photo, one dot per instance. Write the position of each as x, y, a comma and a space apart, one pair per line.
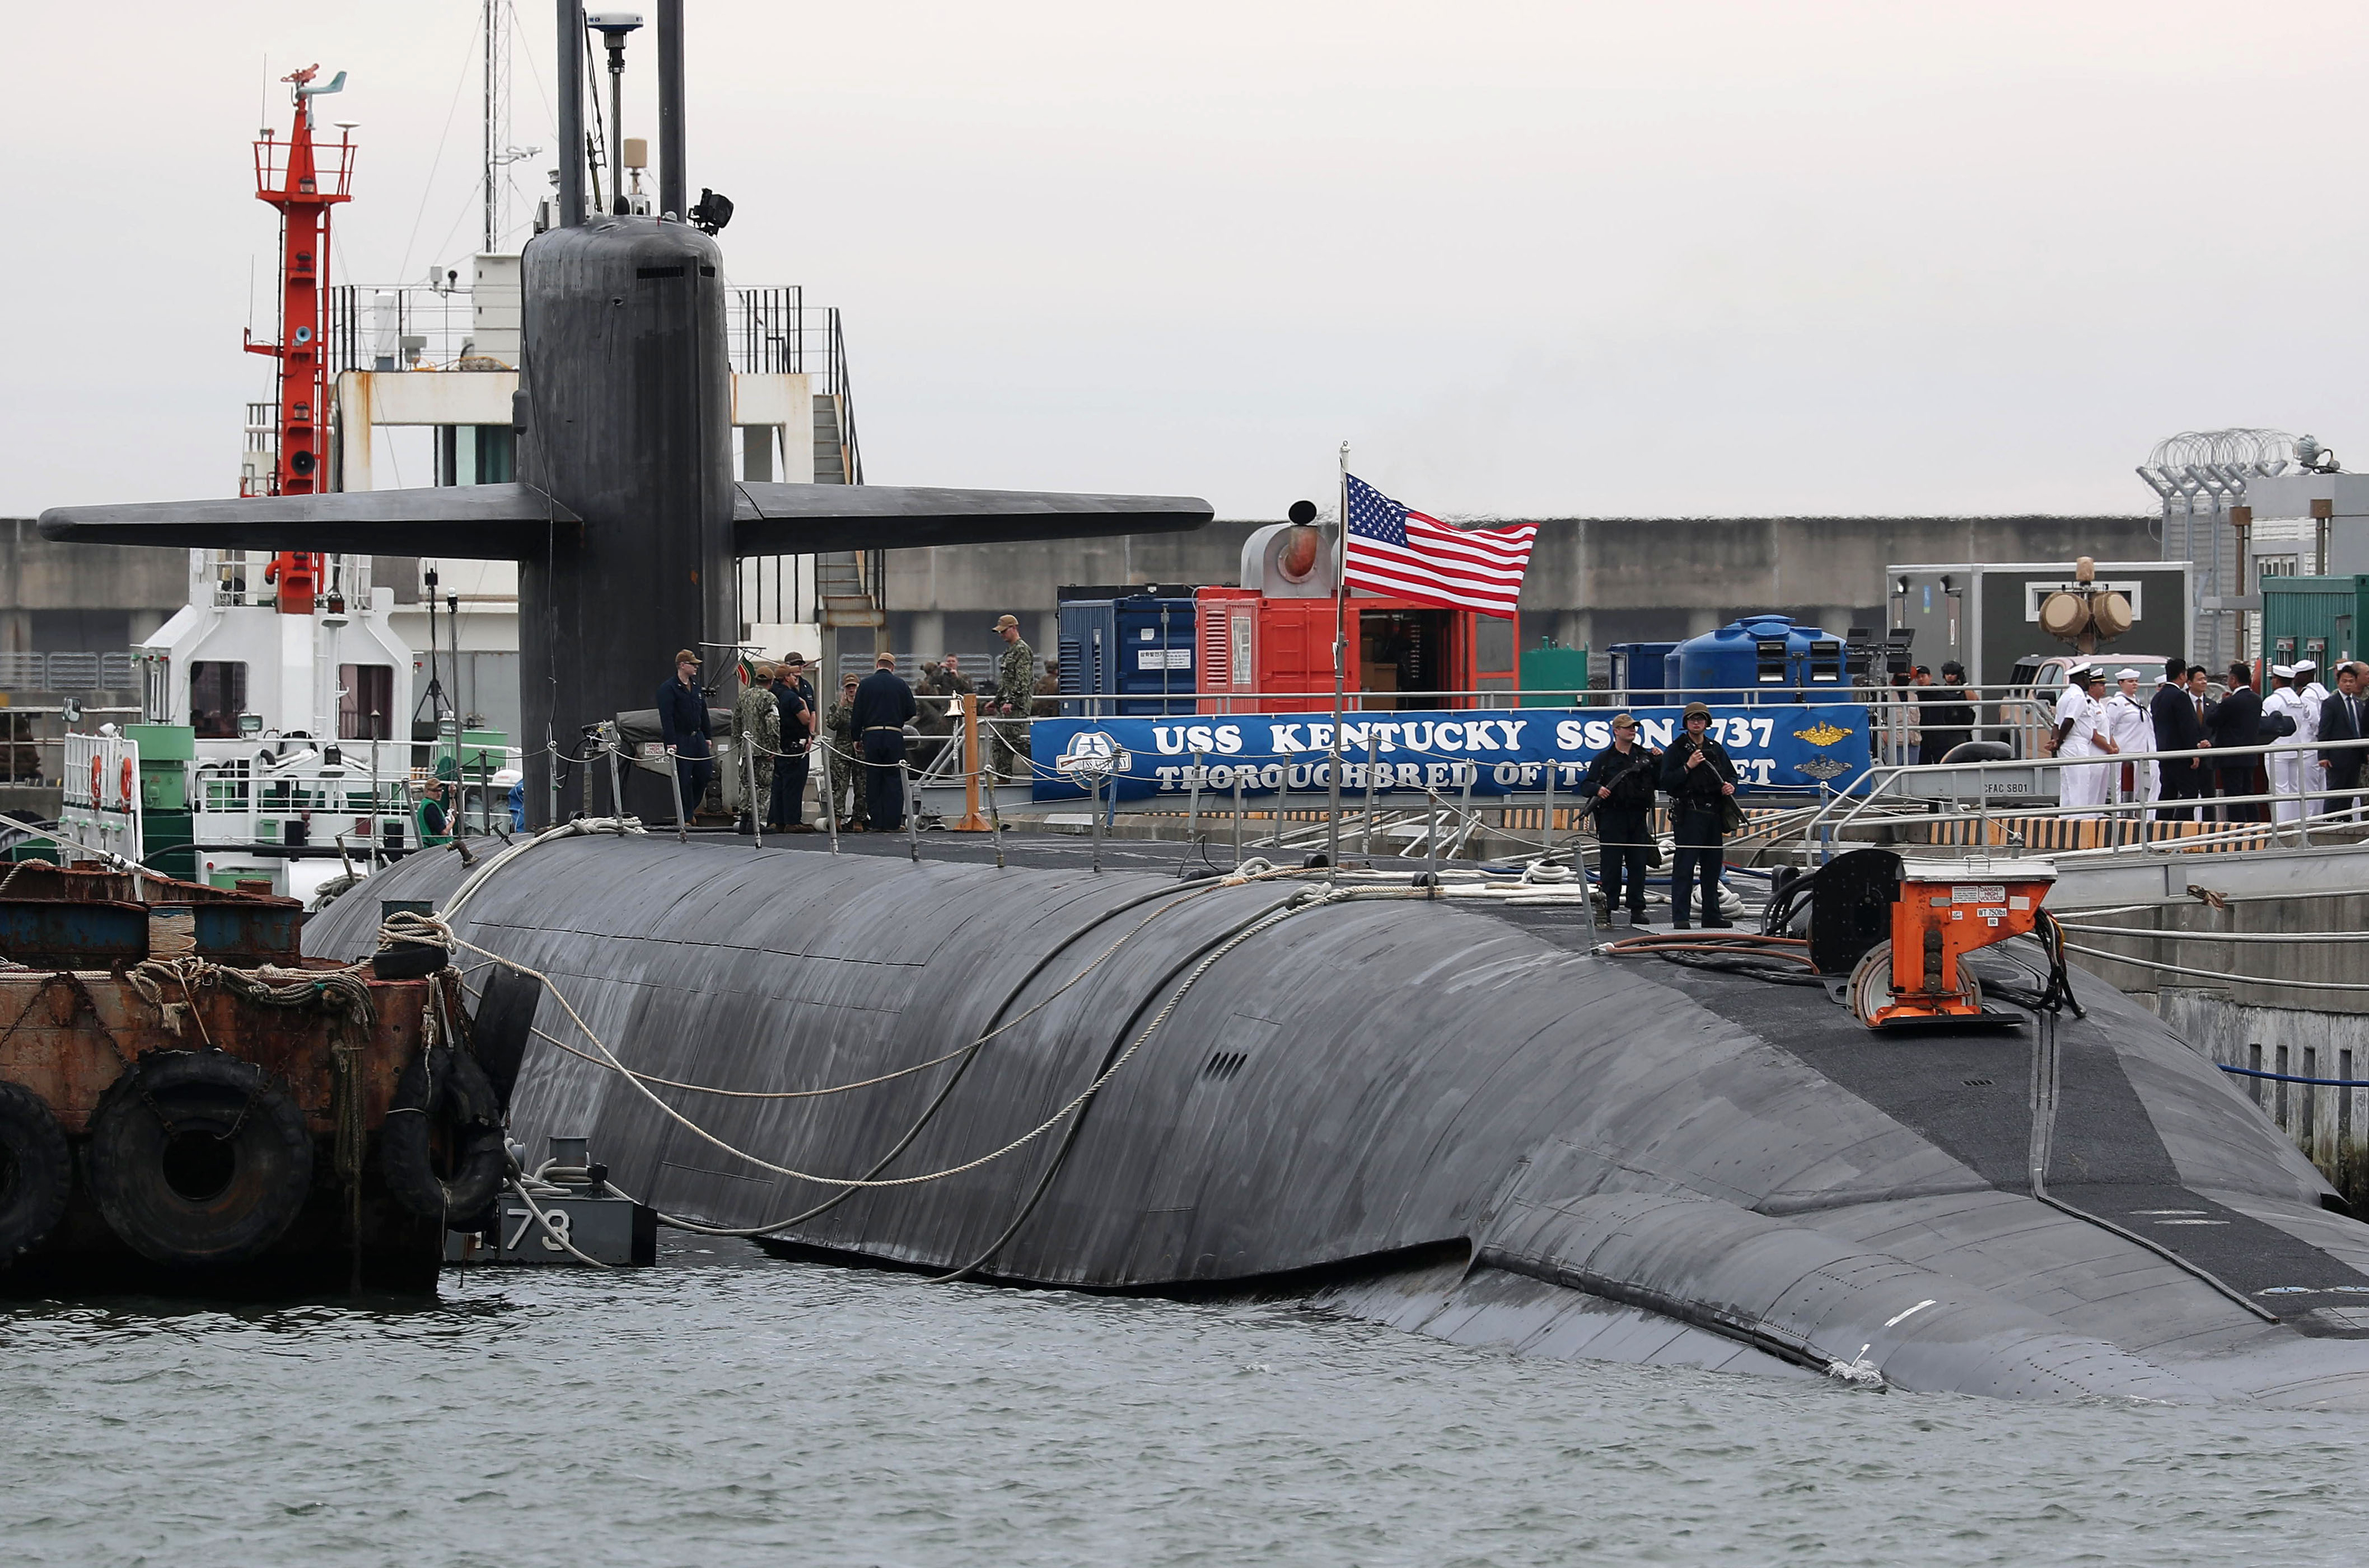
1529, 259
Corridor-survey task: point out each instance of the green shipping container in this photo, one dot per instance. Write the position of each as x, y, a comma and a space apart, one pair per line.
2314, 618
1553, 677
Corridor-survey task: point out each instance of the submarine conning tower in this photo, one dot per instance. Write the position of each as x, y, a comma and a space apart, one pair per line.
642, 454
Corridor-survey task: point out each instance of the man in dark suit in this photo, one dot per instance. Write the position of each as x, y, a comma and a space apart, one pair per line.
2179, 721
2344, 717
884, 706
2236, 720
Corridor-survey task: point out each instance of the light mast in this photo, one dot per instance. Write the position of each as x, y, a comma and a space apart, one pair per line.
301, 182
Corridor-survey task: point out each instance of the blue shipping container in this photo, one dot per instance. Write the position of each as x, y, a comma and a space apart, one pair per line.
1134, 652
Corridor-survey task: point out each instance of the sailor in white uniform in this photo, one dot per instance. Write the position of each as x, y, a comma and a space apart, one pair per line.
2080, 729
2286, 768
2130, 729
2315, 702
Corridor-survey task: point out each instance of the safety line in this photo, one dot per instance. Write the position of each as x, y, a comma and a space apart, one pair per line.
2216, 973
709, 1138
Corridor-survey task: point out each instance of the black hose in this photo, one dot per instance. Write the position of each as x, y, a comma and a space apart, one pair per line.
962, 1065
1118, 1044
1781, 975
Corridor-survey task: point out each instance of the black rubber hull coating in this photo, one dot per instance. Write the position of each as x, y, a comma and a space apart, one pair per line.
1711, 1160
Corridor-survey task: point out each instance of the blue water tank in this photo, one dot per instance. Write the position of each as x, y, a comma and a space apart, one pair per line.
1758, 659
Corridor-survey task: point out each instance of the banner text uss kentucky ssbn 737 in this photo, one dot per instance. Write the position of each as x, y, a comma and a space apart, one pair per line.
1495, 751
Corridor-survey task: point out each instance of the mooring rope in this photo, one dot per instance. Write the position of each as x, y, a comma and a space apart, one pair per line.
609, 1058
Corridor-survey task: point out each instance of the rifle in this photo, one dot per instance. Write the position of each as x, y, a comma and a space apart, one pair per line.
1638, 759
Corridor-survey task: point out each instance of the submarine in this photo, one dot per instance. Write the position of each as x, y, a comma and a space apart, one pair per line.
1461, 1116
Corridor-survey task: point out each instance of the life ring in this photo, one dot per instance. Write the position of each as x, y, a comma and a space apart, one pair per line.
198, 1159
445, 1112
97, 780
124, 777
40, 1168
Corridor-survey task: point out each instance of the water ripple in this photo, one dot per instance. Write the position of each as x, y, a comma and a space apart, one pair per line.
726, 1409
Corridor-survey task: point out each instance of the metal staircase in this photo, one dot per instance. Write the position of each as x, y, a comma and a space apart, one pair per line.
847, 582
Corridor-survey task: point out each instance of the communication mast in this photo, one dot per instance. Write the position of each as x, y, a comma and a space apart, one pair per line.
303, 182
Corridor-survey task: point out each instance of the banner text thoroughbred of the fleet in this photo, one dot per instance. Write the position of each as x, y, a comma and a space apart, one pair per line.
1492, 750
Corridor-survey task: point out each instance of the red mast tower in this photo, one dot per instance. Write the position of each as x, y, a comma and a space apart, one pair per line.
303, 182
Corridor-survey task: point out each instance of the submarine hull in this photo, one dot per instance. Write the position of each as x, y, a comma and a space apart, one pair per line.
1456, 1119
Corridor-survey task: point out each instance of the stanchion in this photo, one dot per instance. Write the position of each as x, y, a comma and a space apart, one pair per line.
749, 772
1370, 795
912, 796
1464, 810
829, 793
1431, 839
995, 825
1238, 816
674, 792
1193, 807
1546, 824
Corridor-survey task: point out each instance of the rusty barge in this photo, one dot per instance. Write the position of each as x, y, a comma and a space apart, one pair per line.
189, 1105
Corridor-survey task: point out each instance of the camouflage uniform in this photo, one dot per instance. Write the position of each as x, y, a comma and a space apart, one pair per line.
1015, 683
846, 768
757, 716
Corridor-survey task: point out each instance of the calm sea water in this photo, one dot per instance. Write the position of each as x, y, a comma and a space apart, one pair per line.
728, 1409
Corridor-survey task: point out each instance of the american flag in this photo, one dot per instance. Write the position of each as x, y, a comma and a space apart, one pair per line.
1406, 555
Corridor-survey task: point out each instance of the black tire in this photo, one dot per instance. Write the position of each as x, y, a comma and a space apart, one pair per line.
36, 1171
504, 1027
199, 1160
444, 1089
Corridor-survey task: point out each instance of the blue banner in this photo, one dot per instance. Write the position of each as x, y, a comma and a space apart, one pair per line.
1500, 751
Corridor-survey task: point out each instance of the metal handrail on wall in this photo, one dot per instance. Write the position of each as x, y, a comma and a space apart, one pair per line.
1881, 789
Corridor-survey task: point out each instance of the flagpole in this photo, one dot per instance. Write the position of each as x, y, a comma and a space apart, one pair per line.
1340, 674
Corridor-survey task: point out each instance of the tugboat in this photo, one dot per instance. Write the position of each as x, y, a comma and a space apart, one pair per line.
189, 1106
